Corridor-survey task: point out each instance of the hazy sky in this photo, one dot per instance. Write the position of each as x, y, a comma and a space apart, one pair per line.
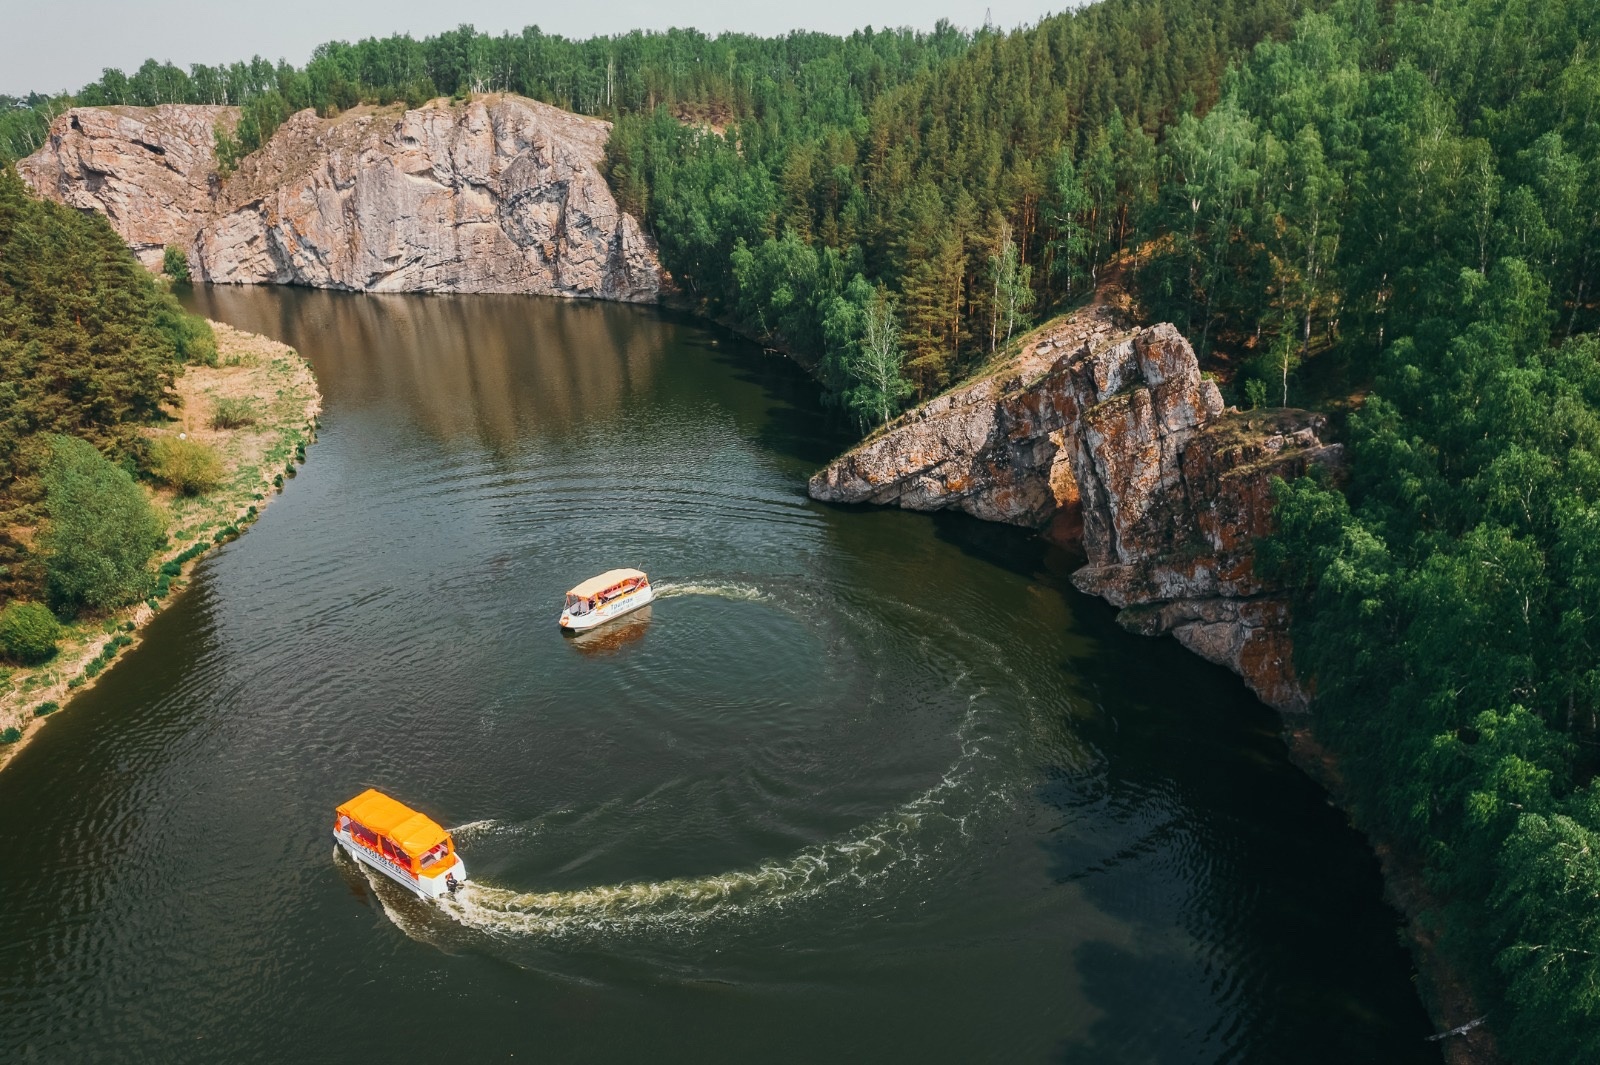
49, 45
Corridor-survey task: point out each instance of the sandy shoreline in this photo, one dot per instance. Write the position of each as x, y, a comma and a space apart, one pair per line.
280, 387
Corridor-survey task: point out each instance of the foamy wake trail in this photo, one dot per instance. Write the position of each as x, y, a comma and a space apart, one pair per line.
721, 589
472, 828
906, 836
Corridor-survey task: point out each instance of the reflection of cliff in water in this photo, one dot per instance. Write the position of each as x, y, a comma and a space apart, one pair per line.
492, 367
613, 636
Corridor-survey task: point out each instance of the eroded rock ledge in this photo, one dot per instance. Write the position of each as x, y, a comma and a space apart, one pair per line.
499, 195
1110, 438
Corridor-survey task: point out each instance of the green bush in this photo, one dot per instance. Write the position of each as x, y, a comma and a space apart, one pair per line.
77, 682
100, 531
175, 264
233, 414
188, 466
46, 709
171, 569
191, 337
28, 633
11, 735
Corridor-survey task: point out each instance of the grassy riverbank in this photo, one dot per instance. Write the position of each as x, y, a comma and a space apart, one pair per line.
257, 409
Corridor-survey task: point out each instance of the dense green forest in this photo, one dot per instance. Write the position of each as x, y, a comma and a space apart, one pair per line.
1002, 180
89, 347
1447, 597
1392, 207
720, 79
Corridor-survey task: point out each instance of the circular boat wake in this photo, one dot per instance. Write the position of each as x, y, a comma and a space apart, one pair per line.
883, 865
904, 838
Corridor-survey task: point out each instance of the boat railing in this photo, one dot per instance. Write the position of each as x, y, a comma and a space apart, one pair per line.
372, 843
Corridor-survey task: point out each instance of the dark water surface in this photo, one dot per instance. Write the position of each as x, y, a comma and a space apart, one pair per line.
862, 785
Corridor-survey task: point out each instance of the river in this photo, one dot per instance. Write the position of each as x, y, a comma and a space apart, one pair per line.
862, 785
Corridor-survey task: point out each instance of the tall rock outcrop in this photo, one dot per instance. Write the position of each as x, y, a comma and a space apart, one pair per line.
1112, 439
501, 194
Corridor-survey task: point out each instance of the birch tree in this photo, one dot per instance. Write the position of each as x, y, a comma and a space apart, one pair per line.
880, 387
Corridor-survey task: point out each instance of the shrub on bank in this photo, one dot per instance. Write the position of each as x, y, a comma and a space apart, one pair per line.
192, 337
10, 735
175, 264
28, 633
46, 709
188, 466
100, 533
233, 414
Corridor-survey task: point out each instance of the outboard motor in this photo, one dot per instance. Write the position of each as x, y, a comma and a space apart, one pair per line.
451, 884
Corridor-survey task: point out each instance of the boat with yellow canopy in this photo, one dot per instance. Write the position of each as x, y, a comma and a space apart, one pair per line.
609, 595
402, 844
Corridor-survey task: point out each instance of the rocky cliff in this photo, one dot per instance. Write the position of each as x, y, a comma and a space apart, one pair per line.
1110, 438
498, 195
150, 170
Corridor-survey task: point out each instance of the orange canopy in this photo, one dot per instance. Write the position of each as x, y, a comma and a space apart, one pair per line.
416, 833
606, 581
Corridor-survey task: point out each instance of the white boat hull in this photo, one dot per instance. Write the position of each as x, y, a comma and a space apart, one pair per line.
425, 887
619, 606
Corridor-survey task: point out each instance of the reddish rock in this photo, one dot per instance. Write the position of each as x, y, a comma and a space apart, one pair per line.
993, 447
1111, 439
499, 195
150, 170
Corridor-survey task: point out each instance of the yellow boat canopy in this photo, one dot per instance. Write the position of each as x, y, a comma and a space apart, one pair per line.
416, 833
607, 580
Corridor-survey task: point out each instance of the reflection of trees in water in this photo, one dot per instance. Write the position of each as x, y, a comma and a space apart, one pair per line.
491, 367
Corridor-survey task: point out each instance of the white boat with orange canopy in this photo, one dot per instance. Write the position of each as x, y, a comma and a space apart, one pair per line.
610, 595
400, 843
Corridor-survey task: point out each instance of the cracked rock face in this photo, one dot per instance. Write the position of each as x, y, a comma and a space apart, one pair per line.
1112, 440
499, 195
150, 170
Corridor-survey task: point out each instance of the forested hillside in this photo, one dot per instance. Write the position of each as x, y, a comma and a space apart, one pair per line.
1446, 171
717, 79
1002, 180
